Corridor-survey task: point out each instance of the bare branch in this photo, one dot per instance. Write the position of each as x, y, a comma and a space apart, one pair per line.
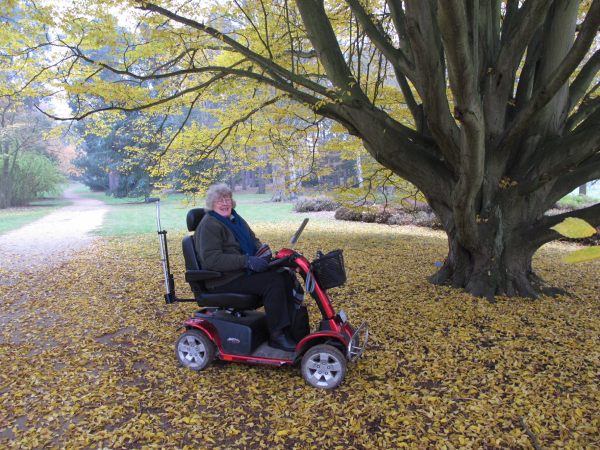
586, 76
395, 56
399, 19
324, 40
540, 233
587, 107
181, 125
255, 28
468, 110
560, 155
519, 27
427, 49
569, 63
588, 170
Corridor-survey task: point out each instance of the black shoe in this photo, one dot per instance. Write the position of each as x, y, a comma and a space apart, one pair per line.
282, 342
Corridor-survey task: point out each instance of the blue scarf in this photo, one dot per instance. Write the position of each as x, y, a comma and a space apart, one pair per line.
240, 230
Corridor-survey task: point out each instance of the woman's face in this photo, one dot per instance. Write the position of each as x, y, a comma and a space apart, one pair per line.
223, 206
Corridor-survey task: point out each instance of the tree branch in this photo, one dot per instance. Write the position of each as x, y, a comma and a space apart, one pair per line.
181, 125
270, 66
399, 19
154, 76
409, 97
395, 56
135, 108
588, 170
462, 73
559, 155
424, 37
586, 76
520, 26
255, 28
225, 132
517, 32
324, 40
540, 233
560, 76
586, 108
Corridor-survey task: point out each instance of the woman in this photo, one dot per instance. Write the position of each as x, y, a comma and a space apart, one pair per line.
225, 243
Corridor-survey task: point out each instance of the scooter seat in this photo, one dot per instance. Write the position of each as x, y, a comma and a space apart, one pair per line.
236, 301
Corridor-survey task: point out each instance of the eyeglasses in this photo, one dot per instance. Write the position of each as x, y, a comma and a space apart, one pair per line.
224, 200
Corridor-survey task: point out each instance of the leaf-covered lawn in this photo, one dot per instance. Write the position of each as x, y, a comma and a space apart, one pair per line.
88, 358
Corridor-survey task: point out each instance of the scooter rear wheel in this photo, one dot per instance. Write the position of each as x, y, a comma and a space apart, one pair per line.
194, 349
324, 366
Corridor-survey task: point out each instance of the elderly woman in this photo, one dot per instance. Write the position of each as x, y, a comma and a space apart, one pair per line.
224, 242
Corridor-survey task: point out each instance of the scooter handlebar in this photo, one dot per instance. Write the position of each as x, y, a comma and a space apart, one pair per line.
281, 262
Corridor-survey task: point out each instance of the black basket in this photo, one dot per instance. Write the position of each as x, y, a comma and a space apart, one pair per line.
329, 269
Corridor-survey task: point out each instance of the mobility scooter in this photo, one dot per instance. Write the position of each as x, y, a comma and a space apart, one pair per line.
228, 326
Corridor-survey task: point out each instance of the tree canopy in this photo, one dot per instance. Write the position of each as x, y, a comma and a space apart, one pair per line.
489, 108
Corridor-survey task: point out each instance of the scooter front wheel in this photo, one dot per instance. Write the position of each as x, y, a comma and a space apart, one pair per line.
323, 366
194, 349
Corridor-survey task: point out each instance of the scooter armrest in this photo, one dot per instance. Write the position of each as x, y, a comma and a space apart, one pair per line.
200, 275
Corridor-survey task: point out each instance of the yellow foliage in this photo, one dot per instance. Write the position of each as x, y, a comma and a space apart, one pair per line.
87, 351
574, 228
583, 255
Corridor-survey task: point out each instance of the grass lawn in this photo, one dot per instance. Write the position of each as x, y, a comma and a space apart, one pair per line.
132, 216
578, 201
13, 218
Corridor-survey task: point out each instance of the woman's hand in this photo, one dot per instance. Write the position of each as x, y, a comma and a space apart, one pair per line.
257, 264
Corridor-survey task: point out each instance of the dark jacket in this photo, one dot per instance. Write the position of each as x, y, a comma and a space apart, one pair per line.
218, 249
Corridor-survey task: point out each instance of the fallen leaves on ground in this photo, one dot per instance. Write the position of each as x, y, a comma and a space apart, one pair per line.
88, 361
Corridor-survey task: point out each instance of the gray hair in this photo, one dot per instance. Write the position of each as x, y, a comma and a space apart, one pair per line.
215, 192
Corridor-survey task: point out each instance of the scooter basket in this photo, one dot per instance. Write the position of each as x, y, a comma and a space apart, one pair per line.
329, 269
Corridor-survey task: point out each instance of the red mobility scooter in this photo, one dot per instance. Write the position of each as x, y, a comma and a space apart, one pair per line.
228, 326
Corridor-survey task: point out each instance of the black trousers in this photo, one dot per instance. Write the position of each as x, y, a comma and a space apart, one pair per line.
275, 288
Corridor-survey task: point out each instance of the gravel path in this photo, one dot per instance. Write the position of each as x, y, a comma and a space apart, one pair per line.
54, 237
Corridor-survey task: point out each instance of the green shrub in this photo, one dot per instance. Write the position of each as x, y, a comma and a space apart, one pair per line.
32, 175
571, 202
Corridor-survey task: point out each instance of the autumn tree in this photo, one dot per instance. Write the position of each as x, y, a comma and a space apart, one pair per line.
489, 107
28, 166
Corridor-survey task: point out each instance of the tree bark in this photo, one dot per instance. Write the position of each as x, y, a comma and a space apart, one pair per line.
501, 266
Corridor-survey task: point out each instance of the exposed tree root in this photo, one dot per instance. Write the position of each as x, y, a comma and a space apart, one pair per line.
489, 285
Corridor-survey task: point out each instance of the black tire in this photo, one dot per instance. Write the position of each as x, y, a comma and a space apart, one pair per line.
194, 349
323, 367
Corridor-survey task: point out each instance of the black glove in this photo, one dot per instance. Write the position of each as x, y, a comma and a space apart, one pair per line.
257, 264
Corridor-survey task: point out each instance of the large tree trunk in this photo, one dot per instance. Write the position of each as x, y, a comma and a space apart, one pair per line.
493, 254
501, 266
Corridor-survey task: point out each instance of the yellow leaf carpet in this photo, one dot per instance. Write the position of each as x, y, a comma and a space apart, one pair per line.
87, 357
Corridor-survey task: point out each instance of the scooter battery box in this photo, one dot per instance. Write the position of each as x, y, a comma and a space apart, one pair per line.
240, 335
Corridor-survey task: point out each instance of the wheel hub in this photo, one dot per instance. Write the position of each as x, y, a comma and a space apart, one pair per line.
324, 368
192, 350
